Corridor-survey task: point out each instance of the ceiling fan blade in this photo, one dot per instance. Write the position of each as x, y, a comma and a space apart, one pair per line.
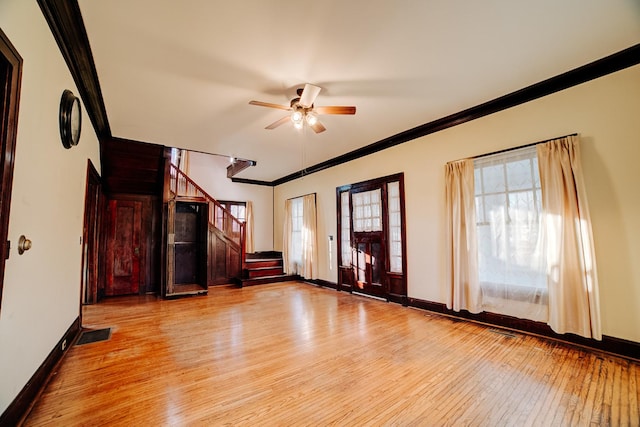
335, 110
309, 95
318, 127
278, 122
270, 105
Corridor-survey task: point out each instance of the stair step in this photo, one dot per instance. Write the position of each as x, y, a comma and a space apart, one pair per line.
261, 263
264, 271
268, 279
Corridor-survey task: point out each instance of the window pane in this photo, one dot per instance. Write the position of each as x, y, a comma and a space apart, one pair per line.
345, 229
519, 174
395, 227
296, 229
367, 211
361, 263
376, 264
477, 179
493, 178
511, 262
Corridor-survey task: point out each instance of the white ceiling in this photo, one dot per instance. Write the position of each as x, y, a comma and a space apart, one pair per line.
181, 73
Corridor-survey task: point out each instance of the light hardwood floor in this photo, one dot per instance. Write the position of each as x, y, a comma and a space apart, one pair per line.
294, 354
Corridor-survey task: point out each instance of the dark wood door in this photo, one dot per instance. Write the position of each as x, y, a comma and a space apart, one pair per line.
371, 238
370, 264
123, 247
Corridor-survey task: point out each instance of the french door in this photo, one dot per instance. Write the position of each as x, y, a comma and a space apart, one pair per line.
371, 238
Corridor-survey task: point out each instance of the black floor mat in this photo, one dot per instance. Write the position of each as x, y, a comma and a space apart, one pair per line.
88, 337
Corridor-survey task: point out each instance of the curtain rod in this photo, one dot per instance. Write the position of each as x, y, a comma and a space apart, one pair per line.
515, 148
308, 194
522, 146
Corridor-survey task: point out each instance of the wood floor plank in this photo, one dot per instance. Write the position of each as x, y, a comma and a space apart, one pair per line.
294, 354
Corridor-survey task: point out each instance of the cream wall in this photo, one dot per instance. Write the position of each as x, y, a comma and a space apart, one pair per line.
41, 295
605, 112
210, 173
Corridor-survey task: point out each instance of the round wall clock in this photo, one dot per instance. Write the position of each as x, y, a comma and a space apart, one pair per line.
70, 119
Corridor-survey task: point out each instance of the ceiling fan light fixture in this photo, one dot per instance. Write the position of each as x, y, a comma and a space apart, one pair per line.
297, 116
311, 118
302, 110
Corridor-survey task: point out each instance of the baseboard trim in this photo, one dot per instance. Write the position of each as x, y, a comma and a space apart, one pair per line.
17, 411
611, 345
321, 283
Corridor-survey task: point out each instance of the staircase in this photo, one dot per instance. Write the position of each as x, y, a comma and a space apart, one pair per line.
264, 267
226, 249
228, 261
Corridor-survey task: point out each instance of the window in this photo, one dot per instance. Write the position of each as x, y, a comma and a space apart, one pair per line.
299, 248
511, 259
345, 229
395, 227
519, 237
296, 230
237, 209
367, 211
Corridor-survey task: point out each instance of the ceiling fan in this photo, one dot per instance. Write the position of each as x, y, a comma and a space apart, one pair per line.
303, 110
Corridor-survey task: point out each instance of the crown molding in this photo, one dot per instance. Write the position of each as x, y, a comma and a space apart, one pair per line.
66, 24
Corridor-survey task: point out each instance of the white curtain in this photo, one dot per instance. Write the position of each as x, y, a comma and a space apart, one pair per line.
572, 279
462, 268
309, 238
248, 228
184, 162
511, 257
289, 265
299, 246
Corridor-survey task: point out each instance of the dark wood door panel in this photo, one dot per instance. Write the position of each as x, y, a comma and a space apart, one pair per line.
123, 247
370, 264
217, 258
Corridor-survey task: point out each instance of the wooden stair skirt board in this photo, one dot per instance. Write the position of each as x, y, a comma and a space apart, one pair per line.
264, 267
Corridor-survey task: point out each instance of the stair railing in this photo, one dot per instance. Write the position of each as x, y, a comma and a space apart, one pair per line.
183, 186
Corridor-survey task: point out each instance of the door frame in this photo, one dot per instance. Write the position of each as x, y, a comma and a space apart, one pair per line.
10, 78
395, 284
91, 236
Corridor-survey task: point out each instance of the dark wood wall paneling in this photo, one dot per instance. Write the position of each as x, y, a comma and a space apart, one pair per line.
132, 167
224, 258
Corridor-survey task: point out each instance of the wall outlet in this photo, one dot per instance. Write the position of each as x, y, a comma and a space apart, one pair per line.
64, 344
